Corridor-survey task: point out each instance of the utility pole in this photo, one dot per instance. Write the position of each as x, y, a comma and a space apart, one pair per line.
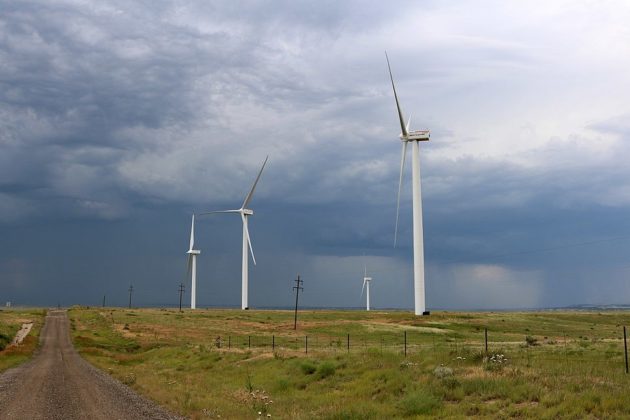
181, 291
130, 292
103, 301
297, 288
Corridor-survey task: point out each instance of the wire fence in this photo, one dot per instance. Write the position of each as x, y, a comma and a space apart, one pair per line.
407, 343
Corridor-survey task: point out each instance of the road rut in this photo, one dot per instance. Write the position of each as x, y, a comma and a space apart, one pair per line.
59, 384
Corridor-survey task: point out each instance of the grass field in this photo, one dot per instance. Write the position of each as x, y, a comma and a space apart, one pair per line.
10, 322
236, 364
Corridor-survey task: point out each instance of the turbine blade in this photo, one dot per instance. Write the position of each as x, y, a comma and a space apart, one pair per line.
248, 198
402, 168
220, 211
192, 233
400, 114
408, 123
363, 288
364, 266
249, 241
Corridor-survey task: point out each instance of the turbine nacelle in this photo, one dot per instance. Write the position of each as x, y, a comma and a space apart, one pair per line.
193, 252
247, 212
416, 135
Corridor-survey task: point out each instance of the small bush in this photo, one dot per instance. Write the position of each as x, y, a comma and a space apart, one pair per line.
308, 368
442, 372
495, 362
326, 369
4, 341
531, 341
450, 383
129, 379
282, 384
419, 402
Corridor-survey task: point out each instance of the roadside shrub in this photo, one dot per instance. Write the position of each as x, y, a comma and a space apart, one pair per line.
308, 368
326, 369
531, 341
4, 341
129, 379
419, 402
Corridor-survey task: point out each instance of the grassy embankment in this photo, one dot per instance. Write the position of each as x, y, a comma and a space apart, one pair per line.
559, 364
10, 322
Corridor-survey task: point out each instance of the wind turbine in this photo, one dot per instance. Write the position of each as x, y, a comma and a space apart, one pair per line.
247, 243
192, 265
413, 137
366, 282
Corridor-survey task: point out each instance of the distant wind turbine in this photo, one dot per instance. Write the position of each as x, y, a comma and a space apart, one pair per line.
413, 137
192, 265
366, 287
245, 213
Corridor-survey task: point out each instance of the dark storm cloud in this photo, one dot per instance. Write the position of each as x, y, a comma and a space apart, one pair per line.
119, 119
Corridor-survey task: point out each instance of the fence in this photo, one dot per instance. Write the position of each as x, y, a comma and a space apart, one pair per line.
411, 343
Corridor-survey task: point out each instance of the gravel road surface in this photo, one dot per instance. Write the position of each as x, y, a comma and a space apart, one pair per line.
58, 384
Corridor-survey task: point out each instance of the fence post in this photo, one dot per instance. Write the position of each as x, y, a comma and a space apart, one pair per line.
249, 341
486, 337
273, 343
229, 342
405, 343
306, 344
625, 347
348, 343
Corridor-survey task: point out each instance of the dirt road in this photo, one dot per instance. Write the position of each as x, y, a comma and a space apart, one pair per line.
59, 384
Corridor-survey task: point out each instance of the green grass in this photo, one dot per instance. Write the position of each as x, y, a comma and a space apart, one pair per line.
10, 322
210, 363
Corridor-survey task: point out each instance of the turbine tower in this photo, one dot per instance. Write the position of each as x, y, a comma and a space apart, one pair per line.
245, 213
413, 137
366, 282
192, 265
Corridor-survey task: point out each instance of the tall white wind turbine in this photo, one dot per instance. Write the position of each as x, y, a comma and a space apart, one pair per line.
413, 137
247, 243
366, 286
192, 265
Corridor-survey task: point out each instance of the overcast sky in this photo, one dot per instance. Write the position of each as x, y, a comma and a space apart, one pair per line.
118, 119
